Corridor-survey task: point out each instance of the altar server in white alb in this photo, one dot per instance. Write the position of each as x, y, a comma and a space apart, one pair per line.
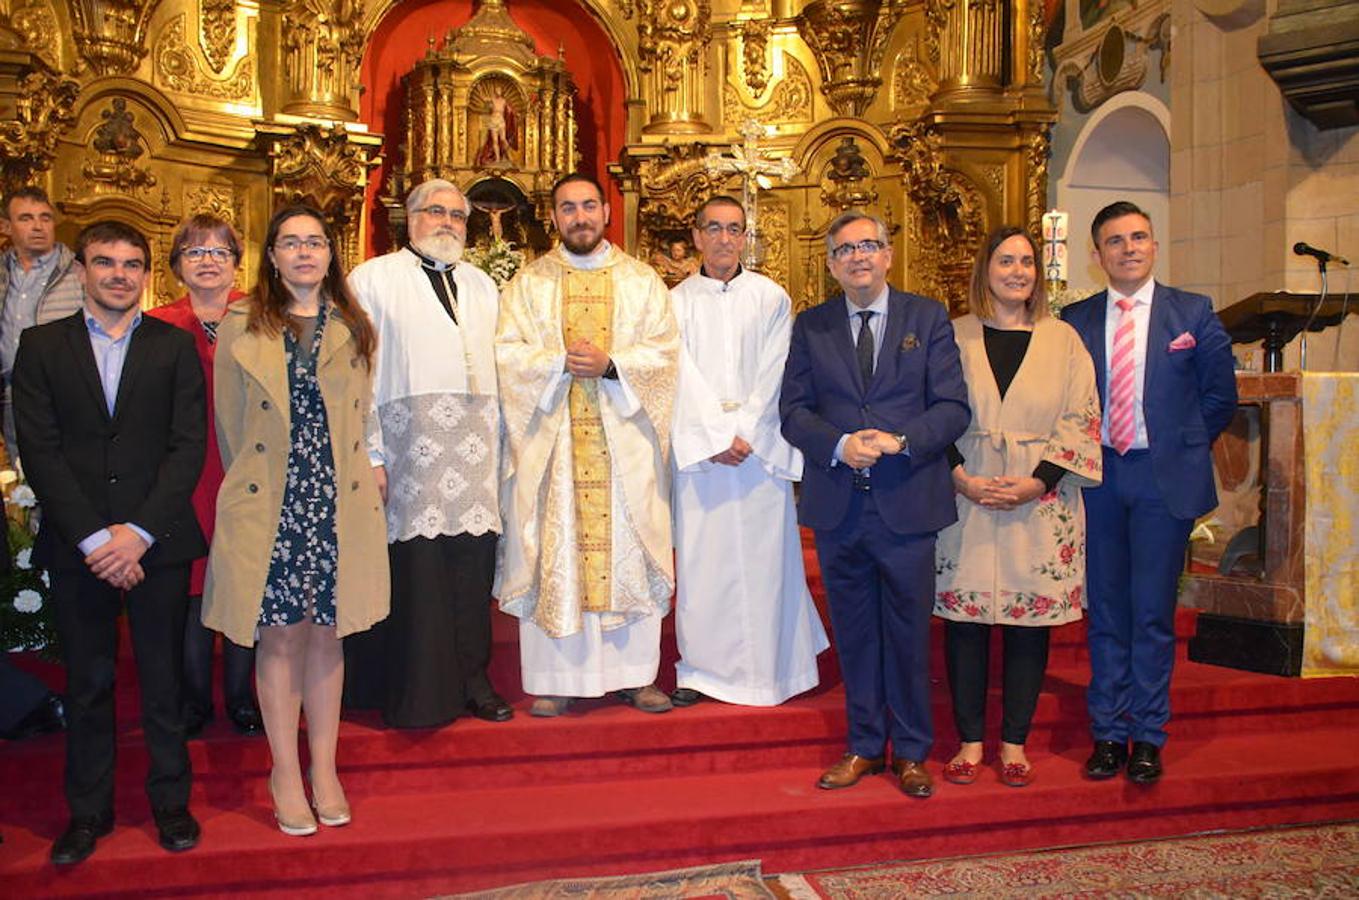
748, 630
434, 442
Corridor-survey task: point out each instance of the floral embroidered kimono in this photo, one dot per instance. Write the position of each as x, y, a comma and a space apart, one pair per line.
1024, 566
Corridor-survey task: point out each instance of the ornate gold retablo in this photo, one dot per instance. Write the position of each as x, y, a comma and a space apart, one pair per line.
587, 314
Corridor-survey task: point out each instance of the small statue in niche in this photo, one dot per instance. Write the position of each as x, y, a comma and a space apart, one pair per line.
674, 263
502, 131
118, 136
496, 212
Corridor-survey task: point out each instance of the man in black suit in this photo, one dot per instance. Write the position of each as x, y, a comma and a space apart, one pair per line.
109, 406
873, 394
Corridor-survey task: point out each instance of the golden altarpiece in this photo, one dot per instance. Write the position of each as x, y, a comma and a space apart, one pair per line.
930, 113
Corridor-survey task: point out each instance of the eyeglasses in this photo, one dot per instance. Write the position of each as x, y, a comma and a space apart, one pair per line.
867, 247
217, 254
292, 244
713, 229
443, 212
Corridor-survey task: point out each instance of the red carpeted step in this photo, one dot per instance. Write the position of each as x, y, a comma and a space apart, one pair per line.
496, 835
601, 740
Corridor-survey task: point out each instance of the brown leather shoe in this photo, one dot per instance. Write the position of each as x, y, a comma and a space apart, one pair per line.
648, 699
848, 771
912, 778
549, 707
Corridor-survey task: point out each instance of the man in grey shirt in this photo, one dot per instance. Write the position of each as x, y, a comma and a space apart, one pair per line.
37, 282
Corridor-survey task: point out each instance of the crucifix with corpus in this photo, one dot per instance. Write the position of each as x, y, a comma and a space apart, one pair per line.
754, 168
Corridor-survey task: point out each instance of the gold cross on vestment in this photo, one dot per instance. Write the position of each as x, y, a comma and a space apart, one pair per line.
754, 168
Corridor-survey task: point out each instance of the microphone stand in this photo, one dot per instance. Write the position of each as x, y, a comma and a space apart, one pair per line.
1316, 308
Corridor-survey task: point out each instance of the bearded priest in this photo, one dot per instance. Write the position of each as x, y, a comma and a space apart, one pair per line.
587, 354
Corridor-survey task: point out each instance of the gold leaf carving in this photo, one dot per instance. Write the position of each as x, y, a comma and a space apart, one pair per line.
34, 21
789, 103
912, 83
217, 31
44, 108
177, 68
773, 232
755, 54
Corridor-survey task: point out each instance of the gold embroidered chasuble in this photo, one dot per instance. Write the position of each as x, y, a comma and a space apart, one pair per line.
588, 315
586, 486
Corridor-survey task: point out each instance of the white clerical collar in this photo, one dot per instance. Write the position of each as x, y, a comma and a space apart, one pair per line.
703, 273
595, 259
430, 262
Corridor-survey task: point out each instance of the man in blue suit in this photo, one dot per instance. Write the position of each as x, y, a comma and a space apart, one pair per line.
1165, 371
873, 394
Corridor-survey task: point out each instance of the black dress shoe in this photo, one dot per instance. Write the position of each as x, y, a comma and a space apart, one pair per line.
49, 715
79, 838
246, 719
178, 830
492, 708
1107, 760
685, 696
1144, 766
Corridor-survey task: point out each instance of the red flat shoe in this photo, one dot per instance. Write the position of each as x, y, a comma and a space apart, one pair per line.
961, 772
1016, 774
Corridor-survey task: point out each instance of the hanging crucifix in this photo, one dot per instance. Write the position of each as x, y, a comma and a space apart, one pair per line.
754, 168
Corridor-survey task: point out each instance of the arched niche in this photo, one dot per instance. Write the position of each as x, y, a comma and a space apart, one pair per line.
1122, 153
602, 67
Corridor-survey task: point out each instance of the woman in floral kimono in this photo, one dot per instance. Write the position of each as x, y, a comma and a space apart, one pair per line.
1016, 556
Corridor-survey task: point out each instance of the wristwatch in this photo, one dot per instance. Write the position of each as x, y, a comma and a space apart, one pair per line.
901, 439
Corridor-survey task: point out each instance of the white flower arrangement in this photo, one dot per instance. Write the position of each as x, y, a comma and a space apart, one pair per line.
499, 259
28, 601
26, 621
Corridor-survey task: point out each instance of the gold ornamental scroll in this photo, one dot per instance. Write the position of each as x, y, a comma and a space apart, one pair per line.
587, 314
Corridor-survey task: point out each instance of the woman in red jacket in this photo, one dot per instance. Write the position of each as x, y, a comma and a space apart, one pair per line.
205, 254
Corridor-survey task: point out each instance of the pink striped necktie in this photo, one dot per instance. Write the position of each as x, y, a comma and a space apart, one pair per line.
1122, 369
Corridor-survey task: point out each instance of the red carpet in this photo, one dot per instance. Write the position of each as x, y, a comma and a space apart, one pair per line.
608, 790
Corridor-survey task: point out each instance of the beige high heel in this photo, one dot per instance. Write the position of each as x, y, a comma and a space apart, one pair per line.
333, 815
294, 827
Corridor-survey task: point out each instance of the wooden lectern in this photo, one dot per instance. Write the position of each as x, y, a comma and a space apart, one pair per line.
1252, 608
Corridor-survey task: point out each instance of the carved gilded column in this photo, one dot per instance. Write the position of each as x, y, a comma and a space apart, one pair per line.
672, 42
36, 106
848, 38
322, 49
325, 167
970, 36
111, 34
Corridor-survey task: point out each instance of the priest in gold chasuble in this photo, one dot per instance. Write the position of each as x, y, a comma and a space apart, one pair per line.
587, 356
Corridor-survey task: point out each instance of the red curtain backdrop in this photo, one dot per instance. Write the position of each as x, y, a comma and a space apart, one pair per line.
403, 37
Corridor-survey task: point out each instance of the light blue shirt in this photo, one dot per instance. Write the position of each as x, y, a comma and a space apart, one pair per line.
109, 355
877, 324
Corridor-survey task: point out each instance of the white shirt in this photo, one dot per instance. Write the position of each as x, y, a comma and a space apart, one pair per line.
1141, 313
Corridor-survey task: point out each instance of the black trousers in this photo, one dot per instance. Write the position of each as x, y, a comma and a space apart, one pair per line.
967, 652
86, 612
238, 666
425, 662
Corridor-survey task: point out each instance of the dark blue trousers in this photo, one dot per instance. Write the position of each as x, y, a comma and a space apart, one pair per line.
880, 587
1134, 555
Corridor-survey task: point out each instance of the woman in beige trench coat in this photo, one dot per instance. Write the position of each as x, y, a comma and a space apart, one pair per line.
1016, 556
299, 556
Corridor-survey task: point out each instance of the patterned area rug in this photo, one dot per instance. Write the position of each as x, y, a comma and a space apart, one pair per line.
1314, 861
728, 881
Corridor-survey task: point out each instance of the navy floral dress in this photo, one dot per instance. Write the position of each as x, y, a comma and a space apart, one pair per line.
302, 566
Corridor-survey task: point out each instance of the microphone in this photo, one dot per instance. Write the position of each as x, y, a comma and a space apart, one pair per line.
1304, 249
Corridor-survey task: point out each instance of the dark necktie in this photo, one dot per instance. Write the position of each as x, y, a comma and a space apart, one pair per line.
863, 348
